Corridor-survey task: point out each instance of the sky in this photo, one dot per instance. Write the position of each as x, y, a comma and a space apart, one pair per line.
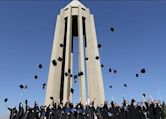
26, 37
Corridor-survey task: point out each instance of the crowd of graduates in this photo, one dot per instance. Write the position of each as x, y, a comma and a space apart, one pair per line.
127, 110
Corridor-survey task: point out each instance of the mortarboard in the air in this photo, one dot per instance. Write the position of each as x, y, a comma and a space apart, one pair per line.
102, 65
5, 100
110, 86
86, 58
51, 98
25, 87
97, 57
40, 66
21, 86
66, 74
36, 77
71, 75
137, 75
110, 70
60, 59
99, 45
61, 45
69, 71
75, 76
75, 81
144, 94
143, 70
115, 71
44, 84
125, 85
112, 29
78, 73
81, 73
54, 62
72, 90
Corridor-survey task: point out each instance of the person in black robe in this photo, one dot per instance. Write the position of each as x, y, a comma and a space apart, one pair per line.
113, 110
20, 112
47, 112
80, 111
104, 111
13, 113
151, 111
42, 112
133, 112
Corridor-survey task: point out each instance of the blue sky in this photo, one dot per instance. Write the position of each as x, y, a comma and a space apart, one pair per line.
139, 41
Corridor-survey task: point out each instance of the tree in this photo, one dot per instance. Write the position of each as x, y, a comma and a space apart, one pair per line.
164, 106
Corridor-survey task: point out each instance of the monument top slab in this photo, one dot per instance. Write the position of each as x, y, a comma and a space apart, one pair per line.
75, 3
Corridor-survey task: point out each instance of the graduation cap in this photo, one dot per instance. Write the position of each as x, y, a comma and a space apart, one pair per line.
102, 65
125, 85
97, 57
5, 100
69, 71
115, 71
61, 45
112, 29
99, 45
144, 94
80, 74
75, 81
36, 77
21, 86
25, 87
51, 98
72, 90
110, 86
143, 70
60, 59
40, 66
54, 62
110, 70
137, 75
44, 84
86, 58
71, 75
66, 74
75, 76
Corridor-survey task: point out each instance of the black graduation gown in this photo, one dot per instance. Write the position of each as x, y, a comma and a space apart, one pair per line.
142, 116
114, 112
157, 112
133, 113
151, 112
122, 115
13, 113
20, 113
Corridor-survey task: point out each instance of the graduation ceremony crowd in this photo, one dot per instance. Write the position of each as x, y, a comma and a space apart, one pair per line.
127, 110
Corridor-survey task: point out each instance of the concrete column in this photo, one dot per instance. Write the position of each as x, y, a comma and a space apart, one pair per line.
88, 37
67, 60
81, 57
71, 78
71, 69
98, 67
54, 76
94, 75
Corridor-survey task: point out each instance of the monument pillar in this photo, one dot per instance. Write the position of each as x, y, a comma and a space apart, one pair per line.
75, 20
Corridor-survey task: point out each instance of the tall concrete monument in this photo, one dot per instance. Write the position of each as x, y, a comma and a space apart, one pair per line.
75, 20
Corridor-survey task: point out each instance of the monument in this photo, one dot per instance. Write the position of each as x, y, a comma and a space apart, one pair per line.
75, 20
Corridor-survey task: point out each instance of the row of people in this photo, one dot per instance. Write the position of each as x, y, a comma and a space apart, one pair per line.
141, 110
